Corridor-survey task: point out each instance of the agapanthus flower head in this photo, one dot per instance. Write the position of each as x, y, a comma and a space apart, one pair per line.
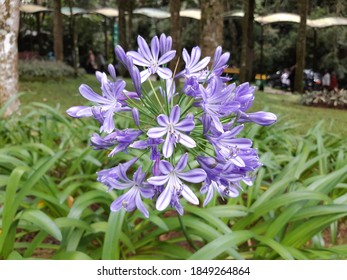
200, 121
149, 58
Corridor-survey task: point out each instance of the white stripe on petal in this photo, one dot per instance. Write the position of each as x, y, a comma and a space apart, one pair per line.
164, 199
185, 140
157, 132
158, 180
188, 194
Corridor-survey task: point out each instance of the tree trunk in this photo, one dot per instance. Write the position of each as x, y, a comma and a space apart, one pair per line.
74, 40
211, 35
247, 41
122, 40
58, 31
301, 47
9, 24
122, 6
175, 6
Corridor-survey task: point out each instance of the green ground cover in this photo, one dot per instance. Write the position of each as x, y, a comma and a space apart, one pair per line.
64, 94
52, 207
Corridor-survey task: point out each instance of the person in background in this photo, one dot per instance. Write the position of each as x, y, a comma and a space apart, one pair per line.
326, 80
101, 62
292, 77
91, 63
333, 82
285, 82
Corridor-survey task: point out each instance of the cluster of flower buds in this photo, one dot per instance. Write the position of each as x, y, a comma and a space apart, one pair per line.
188, 127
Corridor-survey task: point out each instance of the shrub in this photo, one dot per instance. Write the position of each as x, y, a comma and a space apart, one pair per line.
45, 69
325, 98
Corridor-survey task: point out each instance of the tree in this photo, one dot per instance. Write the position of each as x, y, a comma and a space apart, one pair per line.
9, 24
247, 41
301, 46
58, 31
175, 6
211, 35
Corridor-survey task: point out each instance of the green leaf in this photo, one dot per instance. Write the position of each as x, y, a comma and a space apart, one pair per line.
71, 255
42, 221
111, 246
221, 244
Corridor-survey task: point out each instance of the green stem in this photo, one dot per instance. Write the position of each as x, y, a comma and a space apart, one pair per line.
185, 233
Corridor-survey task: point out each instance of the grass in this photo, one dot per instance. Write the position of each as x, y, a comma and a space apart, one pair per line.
64, 94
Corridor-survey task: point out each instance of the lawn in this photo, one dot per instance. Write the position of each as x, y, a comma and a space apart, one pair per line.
64, 94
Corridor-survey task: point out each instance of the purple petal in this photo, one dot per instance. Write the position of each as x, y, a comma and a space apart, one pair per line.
140, 205
157, 132
186, 125
143, 47
182, 163
121, 55
117, 204
138, 59
155, 48
185, 140
163, 120
261, 118
194, 176
141, 144
165, 167
136, 116
108, 125
168, 147
164, 73
89, 94
175, 114
209, 194
201, 65
185, 56
79, 111
112, 71
158, 180
165, 58
238, 161
145, 75
164, 199
188, 194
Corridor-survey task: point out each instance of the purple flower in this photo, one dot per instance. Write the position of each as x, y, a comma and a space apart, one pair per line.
149, 58
226, 184
261, 118
173, 128
111, 101
150, 142
191, 87
133, 70
165, 44
219, 61
228, 147
131, 199
193, 65
172, 177
215, 102
123, 138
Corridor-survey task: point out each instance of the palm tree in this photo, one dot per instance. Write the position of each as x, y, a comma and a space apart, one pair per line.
9, 21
